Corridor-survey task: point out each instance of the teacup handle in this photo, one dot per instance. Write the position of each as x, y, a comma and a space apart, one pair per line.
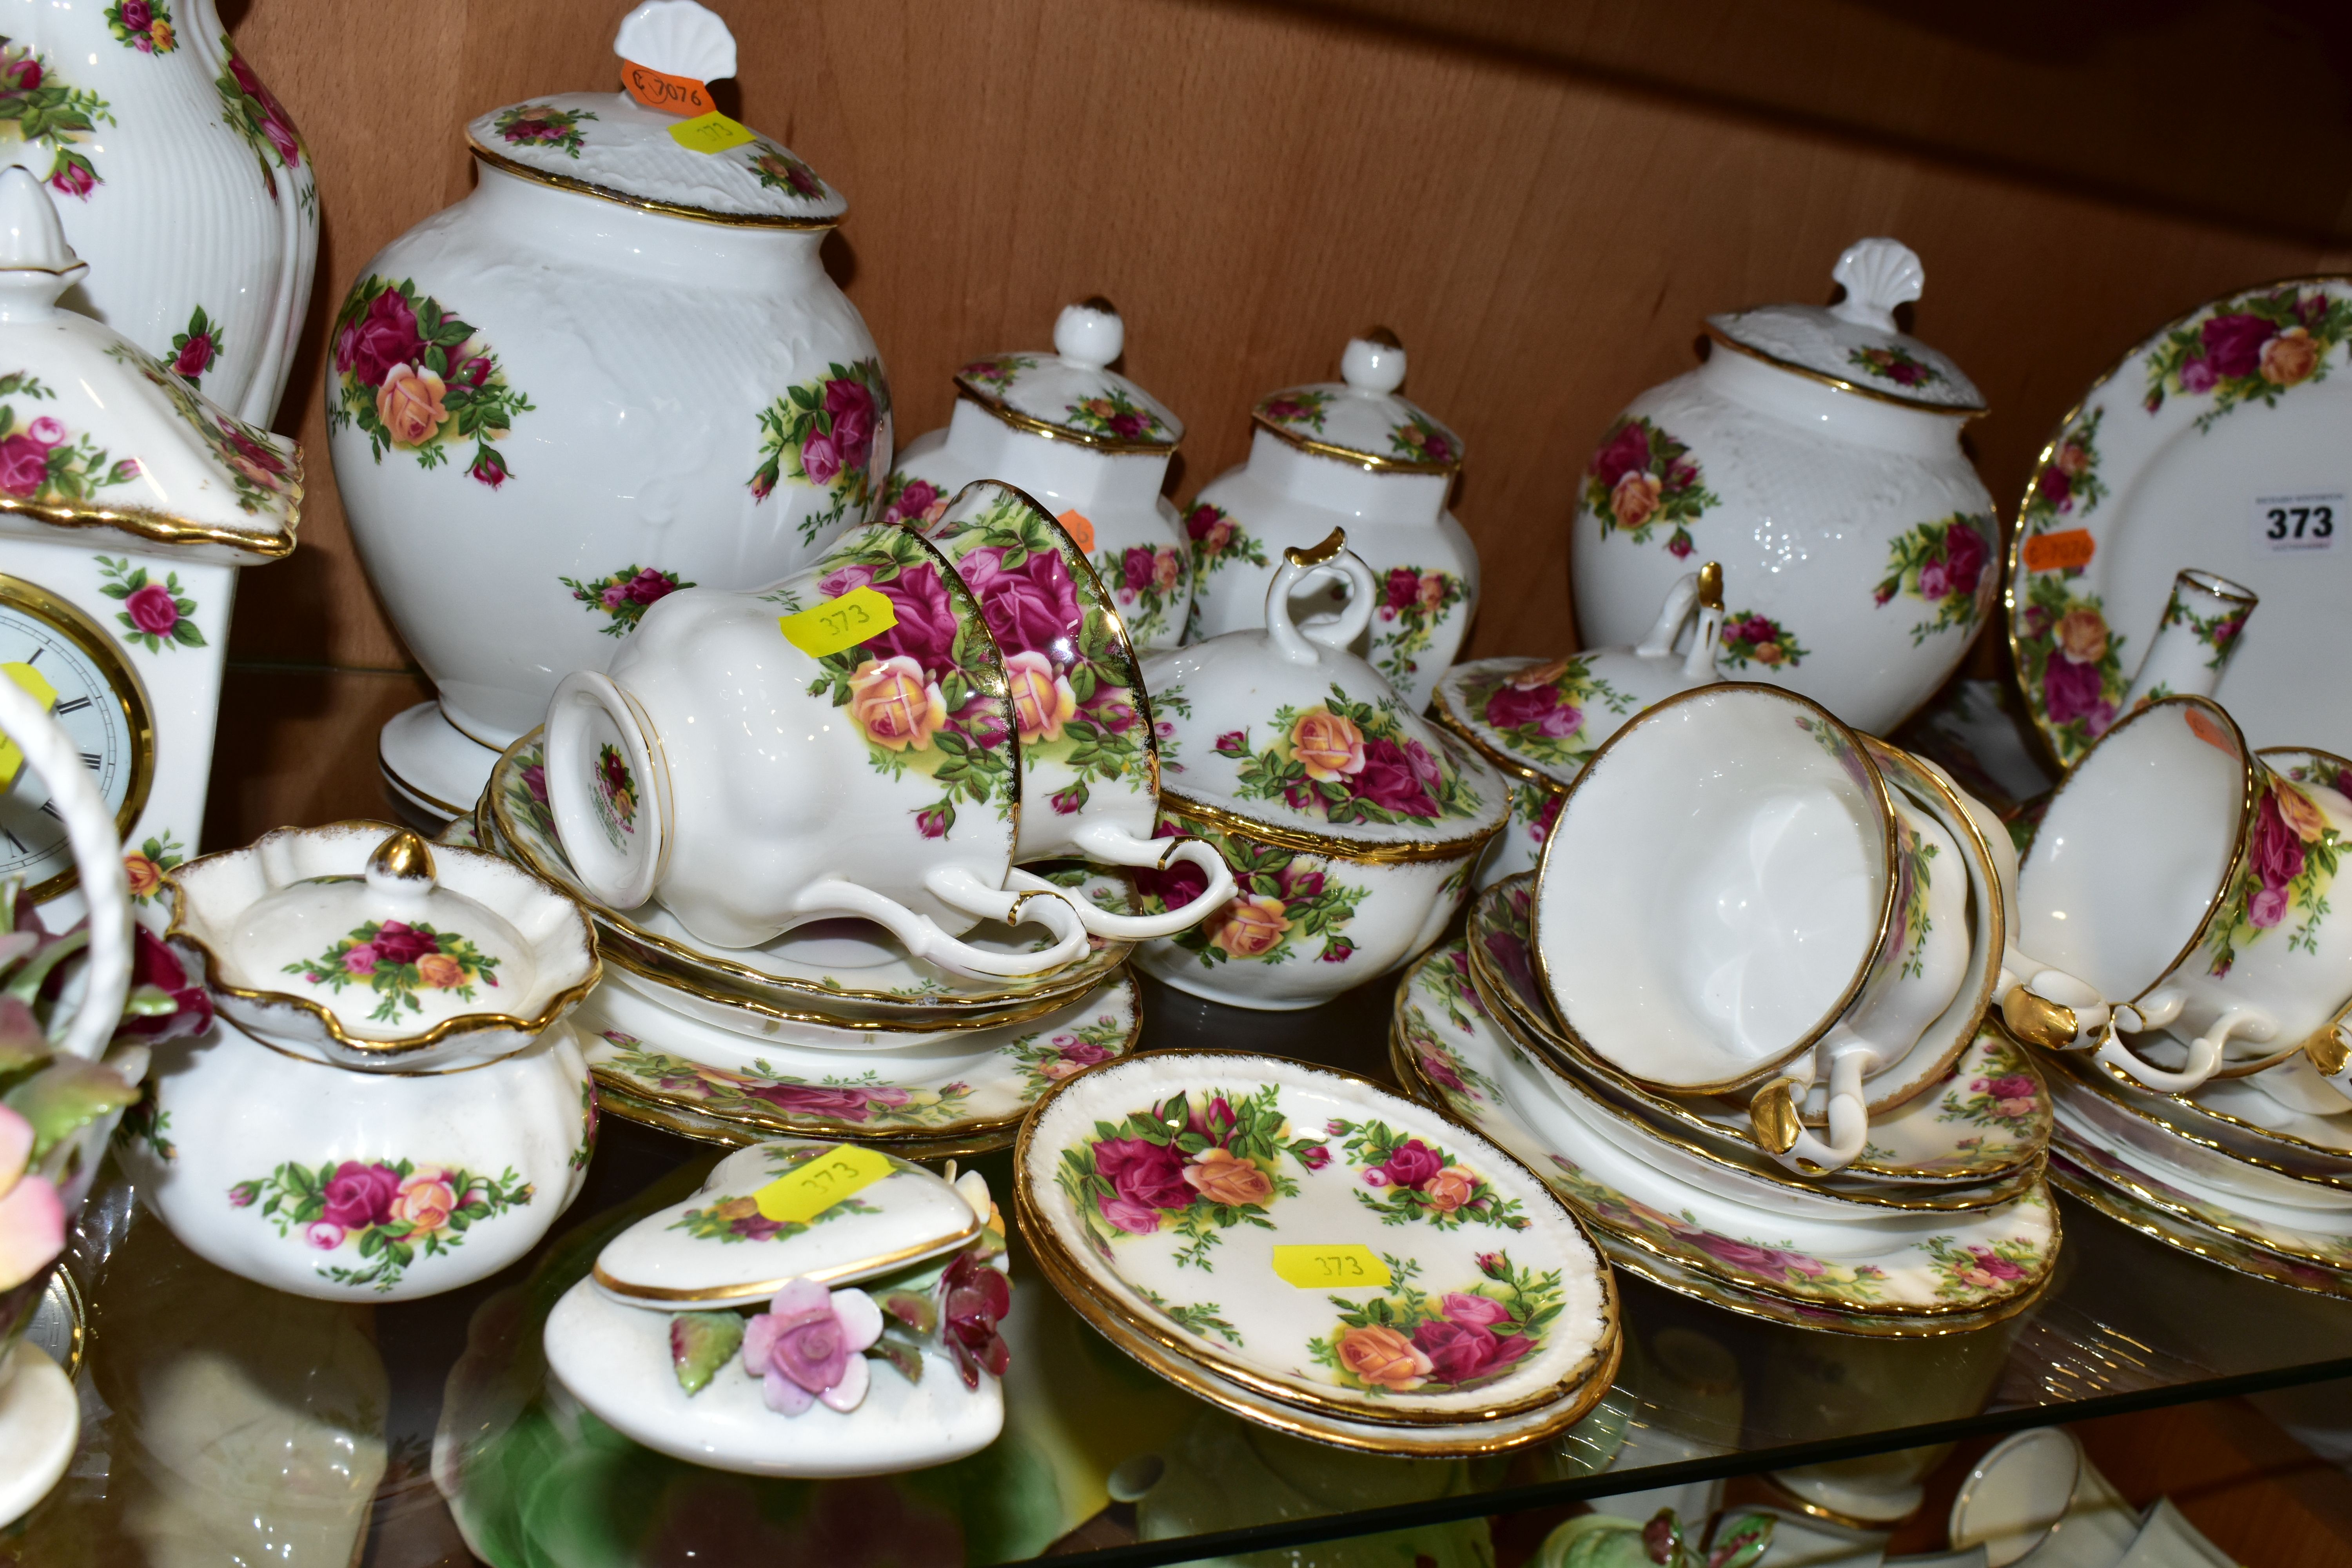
958, 889
2204, 1052
1331, 558
1849, 1117
98, 857
2330, 1054
2048, 1007
1114, 845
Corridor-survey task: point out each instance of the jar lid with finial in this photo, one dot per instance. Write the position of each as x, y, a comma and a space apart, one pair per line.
1072, 394
361, 944
1855, 344
1360, 418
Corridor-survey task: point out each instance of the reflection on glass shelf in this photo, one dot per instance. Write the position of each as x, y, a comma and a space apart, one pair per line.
223, 1417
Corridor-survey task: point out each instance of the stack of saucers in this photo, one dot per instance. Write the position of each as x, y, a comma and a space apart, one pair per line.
1312, 1254
1943, 1223
833, 1030
2229, 1172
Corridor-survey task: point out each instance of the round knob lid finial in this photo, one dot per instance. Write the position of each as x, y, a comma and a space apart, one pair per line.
1090, 333
402, 863
1878, 275
677, 37
1373, 363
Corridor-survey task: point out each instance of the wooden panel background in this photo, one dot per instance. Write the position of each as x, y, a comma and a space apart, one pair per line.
1251, 184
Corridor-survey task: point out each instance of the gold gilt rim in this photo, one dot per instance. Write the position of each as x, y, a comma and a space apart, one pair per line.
1392, 1441
727, 970
704, 1128
1308, 842
1030, 424
1371, 462
409, 786
1048, 1248
2159, 1225
161, 528
2137, 1187
1441, 709
1963, 412
68, 1289
1617, 1245
464, 1024
2097, 1078
2049, 452
2253, 770
852, 1272
2252, 1130
1756, 1073
1505, 1011
129, 694
507, 165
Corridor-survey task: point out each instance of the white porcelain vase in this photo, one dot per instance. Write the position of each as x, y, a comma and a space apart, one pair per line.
181, 180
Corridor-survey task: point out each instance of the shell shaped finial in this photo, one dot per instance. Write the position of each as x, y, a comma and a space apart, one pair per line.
1878, 275
677, 37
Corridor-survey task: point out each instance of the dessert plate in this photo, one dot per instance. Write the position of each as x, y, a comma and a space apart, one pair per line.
1311, 1237
841, 972
977, 1085
2082, 1090
2092, 1184
1987, 1119
1920, 1266
2179, 1193
2217, 443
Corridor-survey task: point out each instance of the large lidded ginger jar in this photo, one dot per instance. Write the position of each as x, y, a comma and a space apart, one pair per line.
1817, 455
616, 369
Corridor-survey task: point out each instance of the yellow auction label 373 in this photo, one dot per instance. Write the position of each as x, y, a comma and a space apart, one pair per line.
840, 623
711, 132
1330, 1267
815, 1184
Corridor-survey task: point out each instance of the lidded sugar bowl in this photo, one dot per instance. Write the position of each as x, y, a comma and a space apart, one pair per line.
1351, 823
1348, 454
1087, 443
391, 1102
617, 368
1816, 454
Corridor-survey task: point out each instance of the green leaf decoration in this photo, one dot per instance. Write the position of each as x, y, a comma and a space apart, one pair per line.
700, 1343
65, 1097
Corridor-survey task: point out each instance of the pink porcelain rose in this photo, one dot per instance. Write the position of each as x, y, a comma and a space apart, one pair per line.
810, 1344
895, 704
32, 1217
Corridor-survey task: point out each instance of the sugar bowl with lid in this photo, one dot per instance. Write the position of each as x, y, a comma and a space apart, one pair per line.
391, 1102
1353, 454
1084, 440
616, 368
1351, 823
1817, 455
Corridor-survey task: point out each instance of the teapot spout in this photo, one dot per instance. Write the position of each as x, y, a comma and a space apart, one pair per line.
2193, 642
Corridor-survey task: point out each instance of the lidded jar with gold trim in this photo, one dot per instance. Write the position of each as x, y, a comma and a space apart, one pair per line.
1347, 454
1085, 441
616, 369
1816, 454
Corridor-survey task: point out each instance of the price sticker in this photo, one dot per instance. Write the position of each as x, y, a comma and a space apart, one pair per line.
670, 94
2068, 549
34, 685
2297, 524
711, 132
840, 623
1338, 1268
816, 1183
1081, 527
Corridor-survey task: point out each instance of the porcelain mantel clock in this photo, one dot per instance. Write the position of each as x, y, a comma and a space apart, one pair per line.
127, 503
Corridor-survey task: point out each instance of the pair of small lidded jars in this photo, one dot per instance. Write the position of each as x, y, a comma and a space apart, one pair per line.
391, 1103
1094, 447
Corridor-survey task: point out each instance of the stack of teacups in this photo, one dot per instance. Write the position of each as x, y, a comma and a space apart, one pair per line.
2187, 880
1738, 1016
819, 828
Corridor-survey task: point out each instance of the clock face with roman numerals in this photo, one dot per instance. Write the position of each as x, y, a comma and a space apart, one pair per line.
68, 661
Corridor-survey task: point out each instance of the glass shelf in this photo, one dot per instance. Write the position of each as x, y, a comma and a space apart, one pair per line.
226, 1422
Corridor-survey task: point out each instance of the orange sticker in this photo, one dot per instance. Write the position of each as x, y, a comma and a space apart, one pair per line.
1081, 529
2061, 552
679, 95
2205, 730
